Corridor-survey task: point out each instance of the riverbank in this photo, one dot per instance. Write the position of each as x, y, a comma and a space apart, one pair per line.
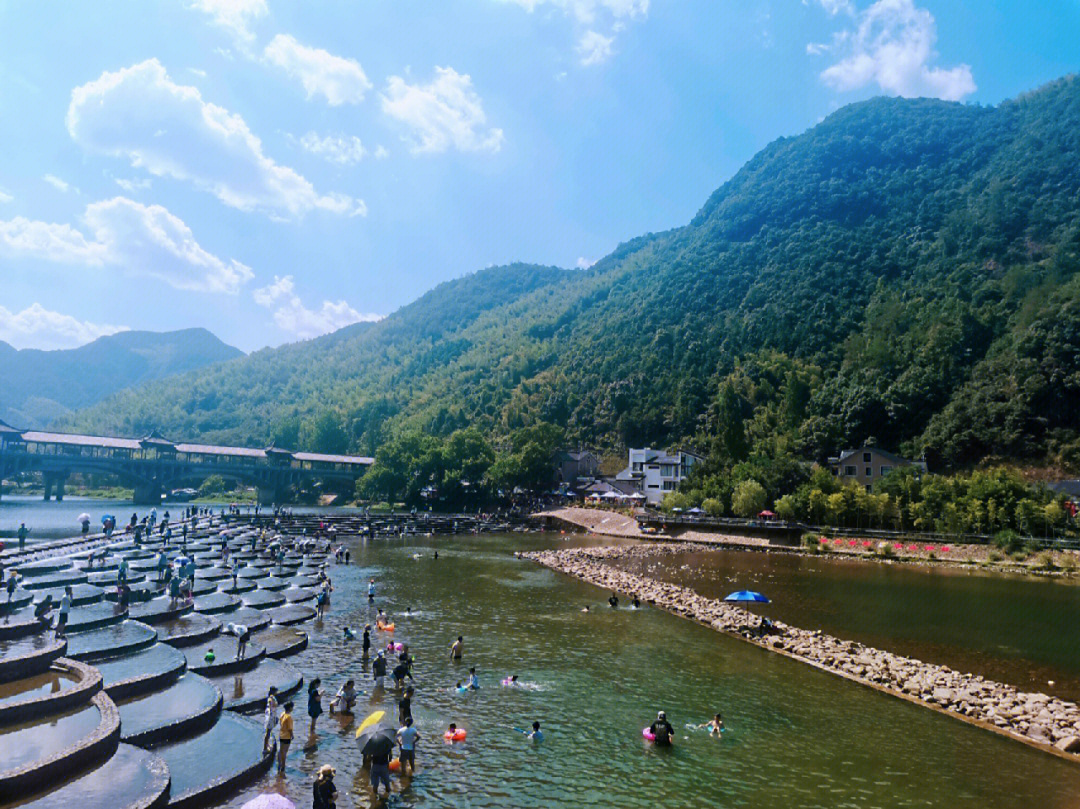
1039, 720
1058, 563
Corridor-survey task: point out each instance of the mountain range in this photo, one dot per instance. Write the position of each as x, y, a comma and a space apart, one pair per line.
41, 387
905, 272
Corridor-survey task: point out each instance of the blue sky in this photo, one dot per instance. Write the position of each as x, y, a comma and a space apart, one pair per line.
272, 170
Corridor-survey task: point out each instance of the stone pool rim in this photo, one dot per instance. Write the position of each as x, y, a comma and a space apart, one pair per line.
95, 747
88, 685
35, 662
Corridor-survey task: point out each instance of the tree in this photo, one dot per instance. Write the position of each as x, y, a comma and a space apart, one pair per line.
285, 434
327, 434
732, 433
712, 506
214, 484
749, 498
785, 507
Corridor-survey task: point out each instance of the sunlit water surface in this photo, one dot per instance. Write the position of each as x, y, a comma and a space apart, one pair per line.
797, 736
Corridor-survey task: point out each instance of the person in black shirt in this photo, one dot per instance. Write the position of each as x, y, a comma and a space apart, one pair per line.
324, 790
405, 705
378, 670
367, 640
661, 730
613, 601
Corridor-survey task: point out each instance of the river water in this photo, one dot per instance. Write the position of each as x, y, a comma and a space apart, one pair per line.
1012, 628
797, 736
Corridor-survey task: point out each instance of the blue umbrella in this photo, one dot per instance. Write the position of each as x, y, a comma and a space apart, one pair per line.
747, 595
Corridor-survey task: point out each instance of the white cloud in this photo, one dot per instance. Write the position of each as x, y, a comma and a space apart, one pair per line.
131, 186
345, 150
584, 263
586, 11
233, 15
5, 196
892, 45
56, 183
447, 113
49, 241
381, 152
37, 327
340, 80
141, 239
292, 316
167, 129
594, 48
835, 7
194, 71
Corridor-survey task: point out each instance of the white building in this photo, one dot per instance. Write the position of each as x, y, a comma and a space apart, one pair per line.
655, 472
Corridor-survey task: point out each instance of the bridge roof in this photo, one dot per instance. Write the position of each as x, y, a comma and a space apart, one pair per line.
70, 439
42, 437
212, 449
318, 456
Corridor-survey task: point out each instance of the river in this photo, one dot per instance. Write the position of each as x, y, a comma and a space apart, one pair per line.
797, 736
1012, 628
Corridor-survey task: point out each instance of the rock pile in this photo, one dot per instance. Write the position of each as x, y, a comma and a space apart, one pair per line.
1038, 719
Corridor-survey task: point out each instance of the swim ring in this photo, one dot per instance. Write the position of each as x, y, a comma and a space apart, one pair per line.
457, 736
508, 681
395, 765
395, 647
648, 734
385, 627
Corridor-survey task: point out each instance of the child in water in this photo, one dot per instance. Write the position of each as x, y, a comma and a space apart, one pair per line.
715, 726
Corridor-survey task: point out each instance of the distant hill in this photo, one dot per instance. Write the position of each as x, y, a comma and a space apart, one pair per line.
906, 270
40, 387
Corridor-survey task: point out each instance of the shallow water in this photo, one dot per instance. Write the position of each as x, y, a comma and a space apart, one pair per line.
1015, 629
158, 659
797, 736
41, 685
189, 696
126, 775
39, 739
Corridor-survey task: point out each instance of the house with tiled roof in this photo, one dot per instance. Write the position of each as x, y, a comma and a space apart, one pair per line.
868, 464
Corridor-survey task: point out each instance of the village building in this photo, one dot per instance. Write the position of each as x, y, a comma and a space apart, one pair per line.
867, 465
656, 472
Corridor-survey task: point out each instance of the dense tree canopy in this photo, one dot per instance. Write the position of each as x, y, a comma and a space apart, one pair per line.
906, 271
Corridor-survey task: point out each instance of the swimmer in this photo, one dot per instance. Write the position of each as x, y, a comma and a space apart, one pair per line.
457, 649
536, 735
512, 680
661, 730
461, 689
349, 634
715, 726
474, 681
636, 602
371, 590
613, 601
585, 608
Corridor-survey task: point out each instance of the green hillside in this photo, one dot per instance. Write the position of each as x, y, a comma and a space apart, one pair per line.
42, 386
906, 271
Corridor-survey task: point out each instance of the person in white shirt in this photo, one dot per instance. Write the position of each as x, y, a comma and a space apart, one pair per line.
407, 738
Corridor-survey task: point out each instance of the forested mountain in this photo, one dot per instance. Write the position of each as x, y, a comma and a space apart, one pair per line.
42, 386
906, 270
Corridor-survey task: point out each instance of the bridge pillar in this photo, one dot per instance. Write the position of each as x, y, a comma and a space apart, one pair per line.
271, 494
148, 494
59, 487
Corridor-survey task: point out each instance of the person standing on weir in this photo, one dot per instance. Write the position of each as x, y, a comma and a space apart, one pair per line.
23, 531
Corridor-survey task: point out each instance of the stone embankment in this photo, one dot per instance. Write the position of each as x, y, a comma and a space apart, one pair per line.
1040, 720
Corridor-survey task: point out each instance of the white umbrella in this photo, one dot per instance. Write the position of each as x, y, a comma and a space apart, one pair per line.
84, 517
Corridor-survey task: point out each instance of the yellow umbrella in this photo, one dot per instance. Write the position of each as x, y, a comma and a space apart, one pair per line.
371, 721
